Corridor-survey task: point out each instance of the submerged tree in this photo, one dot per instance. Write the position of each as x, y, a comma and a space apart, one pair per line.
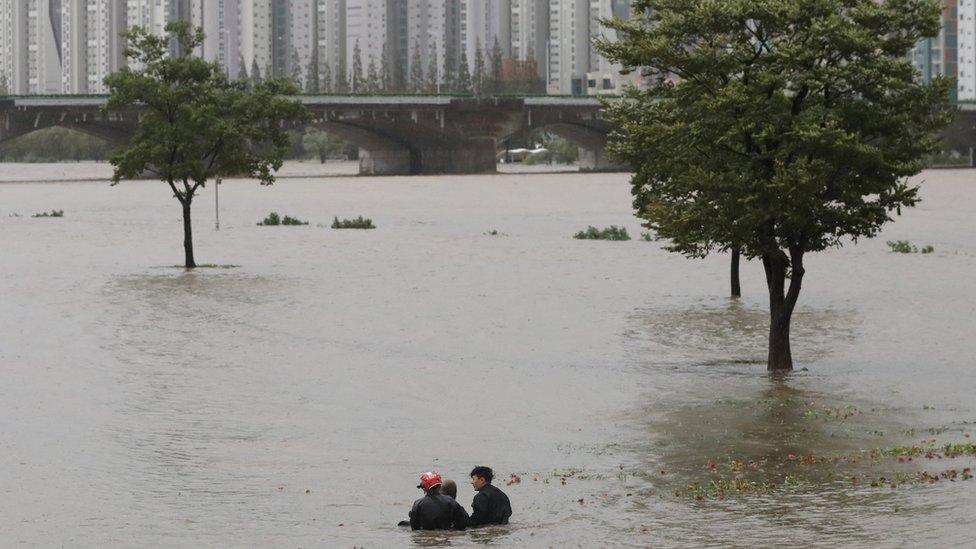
783, 127
195, 124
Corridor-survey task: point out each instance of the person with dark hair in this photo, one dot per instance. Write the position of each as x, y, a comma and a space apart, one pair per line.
490, 505
436, 511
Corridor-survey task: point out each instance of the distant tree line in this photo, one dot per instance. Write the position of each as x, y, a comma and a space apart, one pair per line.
453, 74
55, 145
59, 144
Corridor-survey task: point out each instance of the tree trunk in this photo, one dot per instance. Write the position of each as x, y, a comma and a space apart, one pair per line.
736, 288
782, 301
188, 235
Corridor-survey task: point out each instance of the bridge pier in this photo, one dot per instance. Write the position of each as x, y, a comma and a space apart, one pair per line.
476, 155
597, 160
384, 162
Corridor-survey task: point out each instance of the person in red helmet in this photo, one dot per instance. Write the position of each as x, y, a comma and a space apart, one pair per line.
436, 511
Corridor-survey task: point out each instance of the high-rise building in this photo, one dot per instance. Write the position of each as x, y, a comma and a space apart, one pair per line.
604, 77
74, 46
105, 30
148, 14
44, 46
530, 32
330, 28
300, 37
966, 35
938, 56
208, 15
254, 27
451, 58
14, 42
569, 46
370, 27
485, 23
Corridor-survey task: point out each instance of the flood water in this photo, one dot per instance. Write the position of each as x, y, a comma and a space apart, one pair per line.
293, 400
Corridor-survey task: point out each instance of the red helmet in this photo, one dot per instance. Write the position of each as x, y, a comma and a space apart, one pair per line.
428, 480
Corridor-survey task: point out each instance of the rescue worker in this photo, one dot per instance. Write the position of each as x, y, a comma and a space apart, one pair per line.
490, 505
449, 489
436, 511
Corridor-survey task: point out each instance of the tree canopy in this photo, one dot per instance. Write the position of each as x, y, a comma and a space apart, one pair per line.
779, 126
195, 124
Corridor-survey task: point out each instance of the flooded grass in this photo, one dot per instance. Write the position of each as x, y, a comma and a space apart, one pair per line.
273, 220
612, 232
791, 441
52, 213
906, 247
358, 223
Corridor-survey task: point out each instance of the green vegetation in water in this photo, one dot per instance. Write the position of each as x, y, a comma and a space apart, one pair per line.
273, 220
612, 232
358, 223
906, 247
808, 471
52, 213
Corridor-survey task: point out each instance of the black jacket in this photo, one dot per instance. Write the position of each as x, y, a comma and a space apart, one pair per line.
490, 506
437, 512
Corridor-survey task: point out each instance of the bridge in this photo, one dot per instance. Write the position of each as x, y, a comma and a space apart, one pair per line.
396, 134
405, 134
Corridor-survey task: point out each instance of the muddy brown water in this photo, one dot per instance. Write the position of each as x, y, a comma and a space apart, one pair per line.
293, 401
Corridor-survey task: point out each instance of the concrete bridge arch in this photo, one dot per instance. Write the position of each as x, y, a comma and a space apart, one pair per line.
395, 134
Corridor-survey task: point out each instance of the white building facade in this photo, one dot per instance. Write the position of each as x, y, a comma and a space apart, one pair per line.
330, 29
368, 28
530, 32
43, 47
966, 83
569, 46
483, 22
14, 73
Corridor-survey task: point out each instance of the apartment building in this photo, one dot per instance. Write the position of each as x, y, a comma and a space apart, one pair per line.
530, 33
938, 56
569, 46
14, 74
966, 52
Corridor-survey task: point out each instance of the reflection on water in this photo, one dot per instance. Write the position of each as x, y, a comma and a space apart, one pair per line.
723, 331
760, 455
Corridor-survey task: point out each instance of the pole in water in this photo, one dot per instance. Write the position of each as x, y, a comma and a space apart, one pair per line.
217, 203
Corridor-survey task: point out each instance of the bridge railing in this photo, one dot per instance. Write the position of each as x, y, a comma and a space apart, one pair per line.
376, 94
